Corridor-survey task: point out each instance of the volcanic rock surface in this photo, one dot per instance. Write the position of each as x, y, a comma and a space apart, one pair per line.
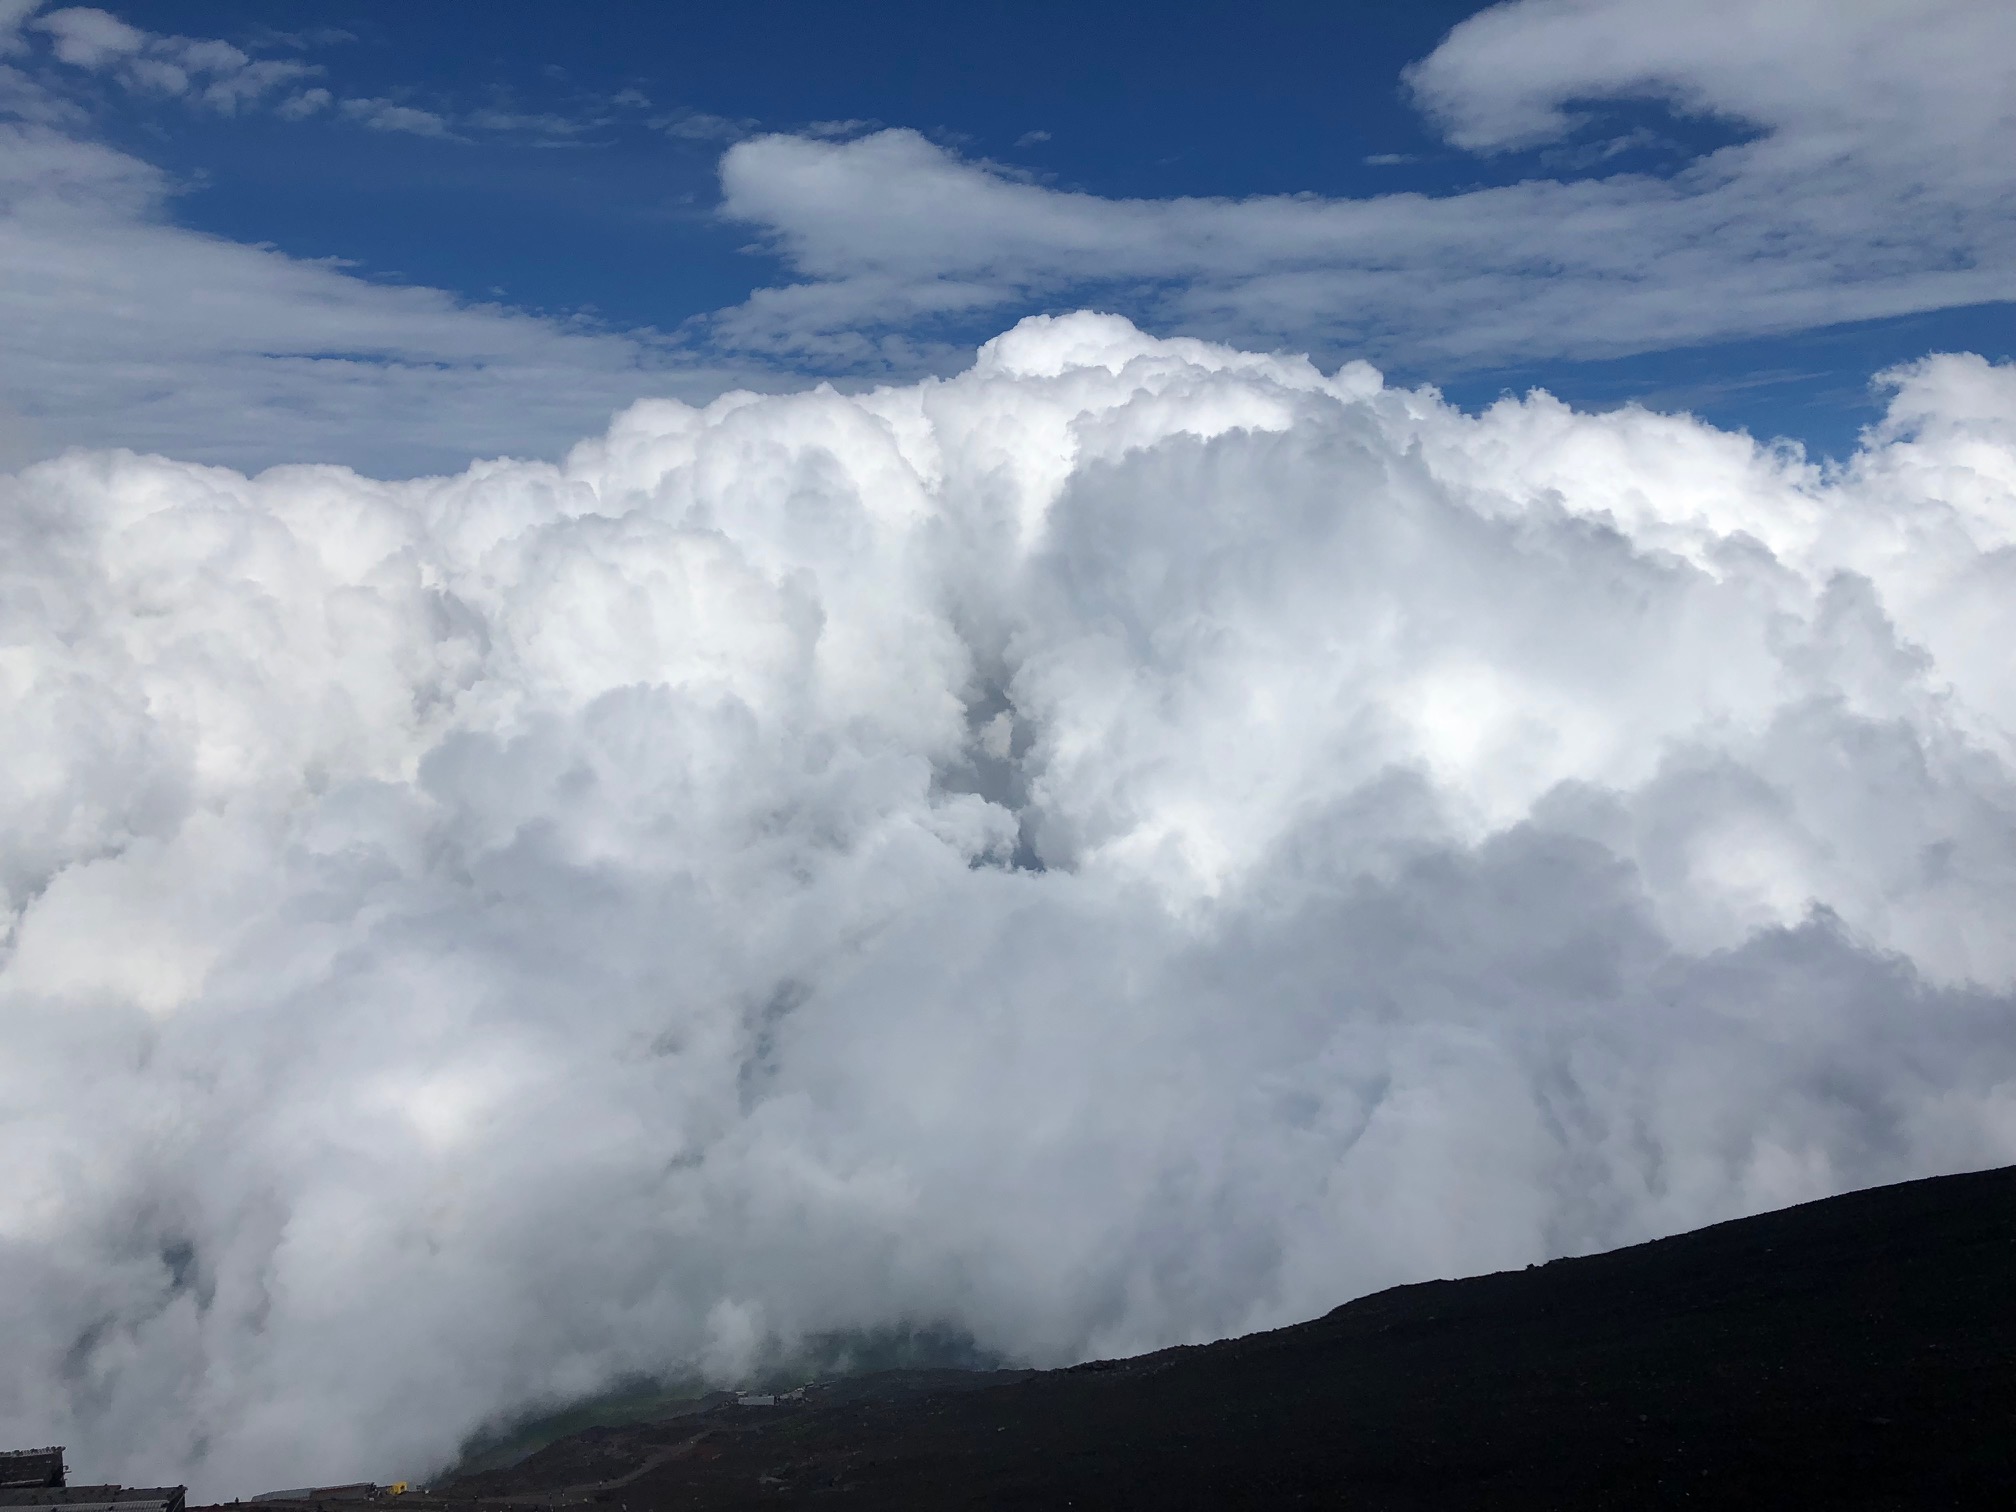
1854, 1352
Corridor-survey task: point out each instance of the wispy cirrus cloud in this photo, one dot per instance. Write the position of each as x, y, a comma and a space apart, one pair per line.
203, 72
1870, 181
125, 328
1875, 181
703, 126
216, 75
390, 115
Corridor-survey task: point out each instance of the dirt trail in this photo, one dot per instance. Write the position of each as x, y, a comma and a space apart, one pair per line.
562, 1496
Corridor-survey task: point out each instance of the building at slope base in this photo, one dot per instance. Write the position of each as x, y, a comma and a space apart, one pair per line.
37, 1478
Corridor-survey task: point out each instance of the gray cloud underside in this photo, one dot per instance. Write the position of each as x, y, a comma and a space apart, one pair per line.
1135, 842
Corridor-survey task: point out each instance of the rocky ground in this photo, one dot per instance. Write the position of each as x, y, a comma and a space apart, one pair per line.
1858, 1352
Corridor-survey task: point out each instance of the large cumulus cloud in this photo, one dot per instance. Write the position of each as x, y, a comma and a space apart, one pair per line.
1134, 842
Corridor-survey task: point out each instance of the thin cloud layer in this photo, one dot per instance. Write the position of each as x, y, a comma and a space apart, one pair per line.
205, 73
121, 324
125, 328
1876, 181
208, 74
1134, 842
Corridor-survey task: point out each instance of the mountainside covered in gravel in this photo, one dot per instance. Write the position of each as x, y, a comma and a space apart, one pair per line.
1859, 1351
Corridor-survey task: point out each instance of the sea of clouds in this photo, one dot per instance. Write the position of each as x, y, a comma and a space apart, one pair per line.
1135, 842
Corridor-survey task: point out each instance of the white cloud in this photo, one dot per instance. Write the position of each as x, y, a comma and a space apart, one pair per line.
533, 123
701, 126
1507, 78
568, 919
1137, 841
298, 107
213, 74
251, 83
123, 327
388, 115
86, 37
1878, 183
224, 78
13, 15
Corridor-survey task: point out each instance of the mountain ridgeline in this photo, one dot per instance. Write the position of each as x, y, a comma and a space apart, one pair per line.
1854, 1352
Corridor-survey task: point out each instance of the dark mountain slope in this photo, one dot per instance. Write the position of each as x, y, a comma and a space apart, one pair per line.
1857, 1352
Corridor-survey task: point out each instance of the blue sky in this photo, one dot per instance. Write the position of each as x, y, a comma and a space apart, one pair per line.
575, 172
1123, 100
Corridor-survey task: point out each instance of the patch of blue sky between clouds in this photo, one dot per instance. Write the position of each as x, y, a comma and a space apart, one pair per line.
1587, 197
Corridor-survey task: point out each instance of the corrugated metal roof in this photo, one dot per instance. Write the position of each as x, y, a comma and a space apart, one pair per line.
354, 1491
96, 1498
55, 1496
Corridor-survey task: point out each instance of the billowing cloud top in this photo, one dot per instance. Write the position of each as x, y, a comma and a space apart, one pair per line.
1134, 842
